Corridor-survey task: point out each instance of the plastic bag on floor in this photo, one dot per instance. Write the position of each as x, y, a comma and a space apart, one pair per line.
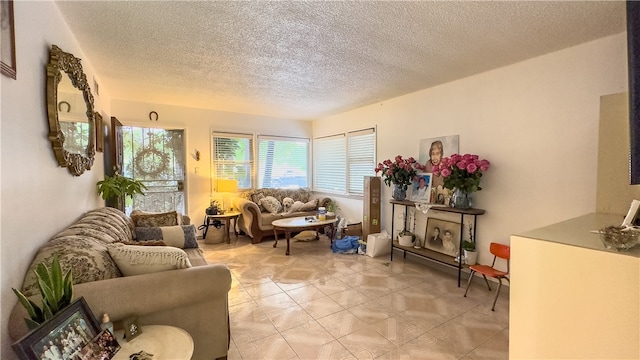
346, 245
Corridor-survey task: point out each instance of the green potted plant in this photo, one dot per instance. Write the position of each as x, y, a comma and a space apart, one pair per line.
332, 207
214, 208
470, 253
56, 289
118, 187
406, 238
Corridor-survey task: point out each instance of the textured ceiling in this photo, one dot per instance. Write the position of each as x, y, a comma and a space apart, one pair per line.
305, 60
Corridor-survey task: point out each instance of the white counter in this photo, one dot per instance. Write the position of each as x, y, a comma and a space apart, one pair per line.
570, 297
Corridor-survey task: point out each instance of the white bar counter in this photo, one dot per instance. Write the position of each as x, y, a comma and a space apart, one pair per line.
570, 297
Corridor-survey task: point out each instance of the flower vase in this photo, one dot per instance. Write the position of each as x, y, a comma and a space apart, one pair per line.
460, 199
399, 193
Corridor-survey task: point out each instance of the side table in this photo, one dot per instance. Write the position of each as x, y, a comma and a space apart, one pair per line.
163, 341
226, 217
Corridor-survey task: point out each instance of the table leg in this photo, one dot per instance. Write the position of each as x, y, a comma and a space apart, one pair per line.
235, 226
333, 233
275, 234
287, 235
227, 228
206, 227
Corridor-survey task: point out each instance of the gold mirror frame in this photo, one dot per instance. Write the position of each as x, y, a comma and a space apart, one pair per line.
61, 63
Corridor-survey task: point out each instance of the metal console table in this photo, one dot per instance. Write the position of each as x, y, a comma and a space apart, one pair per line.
430, 254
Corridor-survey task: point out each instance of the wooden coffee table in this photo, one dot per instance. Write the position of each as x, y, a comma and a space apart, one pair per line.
297, 224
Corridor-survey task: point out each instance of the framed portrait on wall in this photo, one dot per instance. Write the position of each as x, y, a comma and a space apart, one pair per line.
421, 188
432, 150
442, 236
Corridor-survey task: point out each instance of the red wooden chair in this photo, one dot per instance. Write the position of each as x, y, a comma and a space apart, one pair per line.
499, 251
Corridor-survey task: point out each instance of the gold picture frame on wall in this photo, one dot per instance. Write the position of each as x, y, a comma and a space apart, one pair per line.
8, 33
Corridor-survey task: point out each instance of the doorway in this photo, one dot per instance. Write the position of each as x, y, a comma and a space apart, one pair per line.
157, 158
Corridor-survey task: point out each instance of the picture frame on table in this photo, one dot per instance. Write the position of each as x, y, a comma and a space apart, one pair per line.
442, 236
8, 43
103, 346
421, 187
62, 336
131, 328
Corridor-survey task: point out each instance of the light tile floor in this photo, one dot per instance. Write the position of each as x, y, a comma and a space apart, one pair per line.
316, 304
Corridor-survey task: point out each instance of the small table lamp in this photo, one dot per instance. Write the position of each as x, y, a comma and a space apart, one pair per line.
226, 186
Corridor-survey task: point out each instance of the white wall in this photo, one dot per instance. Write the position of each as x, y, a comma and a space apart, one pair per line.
38, 197
536, 121
198, 125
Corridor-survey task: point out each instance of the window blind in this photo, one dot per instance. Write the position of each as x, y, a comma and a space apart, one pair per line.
329, 166
361, 159
233, 158
342, 161
283, 162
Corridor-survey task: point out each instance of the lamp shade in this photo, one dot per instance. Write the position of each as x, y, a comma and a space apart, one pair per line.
227, 185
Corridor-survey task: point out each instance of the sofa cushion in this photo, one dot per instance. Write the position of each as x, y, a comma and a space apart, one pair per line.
180, 236
141, 219
87, 258
257, 199
138, 260
310, 205
271, 204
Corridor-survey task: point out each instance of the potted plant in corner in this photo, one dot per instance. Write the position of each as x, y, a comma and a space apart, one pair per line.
117, 187
56, 289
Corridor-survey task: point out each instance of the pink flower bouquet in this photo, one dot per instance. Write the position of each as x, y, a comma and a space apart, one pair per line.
462, 171
399, 172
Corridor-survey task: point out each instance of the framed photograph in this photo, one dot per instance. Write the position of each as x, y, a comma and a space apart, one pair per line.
442, 236
99, 133
421, 188
131, 328
8, 43
433, 150
442, 195
103, 346
61, 337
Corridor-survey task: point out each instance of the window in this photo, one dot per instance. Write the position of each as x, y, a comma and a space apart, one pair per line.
361, 158
283, 162
342, 161
233, 158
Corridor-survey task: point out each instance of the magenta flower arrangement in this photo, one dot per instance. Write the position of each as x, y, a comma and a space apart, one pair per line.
462, 171
399, 171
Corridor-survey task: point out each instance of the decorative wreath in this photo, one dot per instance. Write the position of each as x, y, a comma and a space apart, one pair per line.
151, 162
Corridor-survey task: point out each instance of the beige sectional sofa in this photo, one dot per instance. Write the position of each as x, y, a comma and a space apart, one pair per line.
255, 220
192, 297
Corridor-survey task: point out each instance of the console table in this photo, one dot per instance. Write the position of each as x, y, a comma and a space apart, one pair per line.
430, 254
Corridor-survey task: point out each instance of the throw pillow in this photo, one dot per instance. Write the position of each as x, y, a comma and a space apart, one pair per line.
154, 220
271, 204
88, 258
309, 206
180, 236
307, 235
138, 260
256, 199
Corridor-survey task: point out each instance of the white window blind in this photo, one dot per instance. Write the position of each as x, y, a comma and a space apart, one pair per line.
361, 159
233, 158
342, 161
283, 162
329, 164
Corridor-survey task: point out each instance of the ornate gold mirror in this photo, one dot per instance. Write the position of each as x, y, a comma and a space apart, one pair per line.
70, 108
